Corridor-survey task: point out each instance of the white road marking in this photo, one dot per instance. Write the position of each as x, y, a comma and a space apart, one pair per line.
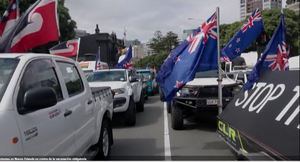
166, 134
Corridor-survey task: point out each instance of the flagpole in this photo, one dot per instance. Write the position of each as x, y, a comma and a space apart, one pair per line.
78, 50
220, 103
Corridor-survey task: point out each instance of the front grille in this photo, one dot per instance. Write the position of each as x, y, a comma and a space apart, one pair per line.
207, 92
118, 102
212, 92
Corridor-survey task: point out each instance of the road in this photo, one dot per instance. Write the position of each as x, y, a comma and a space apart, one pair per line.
148, 140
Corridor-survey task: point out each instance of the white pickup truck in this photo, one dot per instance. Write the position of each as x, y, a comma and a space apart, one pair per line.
127, 88
48, 109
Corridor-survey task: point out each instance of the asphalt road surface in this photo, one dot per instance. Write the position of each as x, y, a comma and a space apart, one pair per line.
152, 138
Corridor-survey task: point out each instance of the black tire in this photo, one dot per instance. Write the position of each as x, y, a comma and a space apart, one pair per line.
169, 106
105, 140
130, 115
161, 96
176, 117
140, 104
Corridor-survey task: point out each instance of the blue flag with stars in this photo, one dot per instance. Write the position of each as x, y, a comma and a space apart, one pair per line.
125, 62
167, 66
244, 37
274, 58
197, 53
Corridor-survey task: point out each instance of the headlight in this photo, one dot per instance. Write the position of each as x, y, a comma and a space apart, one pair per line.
183, 92
119, 91
236, 90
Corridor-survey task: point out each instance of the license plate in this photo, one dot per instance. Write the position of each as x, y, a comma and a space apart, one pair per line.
212, 102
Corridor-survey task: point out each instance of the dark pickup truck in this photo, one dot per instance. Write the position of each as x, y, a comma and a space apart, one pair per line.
201, 95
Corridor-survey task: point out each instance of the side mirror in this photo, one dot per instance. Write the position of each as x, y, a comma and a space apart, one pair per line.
240, 82
228, 67
39, 98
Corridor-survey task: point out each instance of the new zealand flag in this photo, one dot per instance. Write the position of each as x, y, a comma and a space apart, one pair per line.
197, 53
124, 62
274, 58
167, 66
244, 37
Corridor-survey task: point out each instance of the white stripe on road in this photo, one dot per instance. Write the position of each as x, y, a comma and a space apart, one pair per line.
166, 134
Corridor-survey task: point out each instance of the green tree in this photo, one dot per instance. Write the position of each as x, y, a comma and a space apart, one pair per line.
163, 43
170, 41
156, 42
66, 24
150, 61
227, 31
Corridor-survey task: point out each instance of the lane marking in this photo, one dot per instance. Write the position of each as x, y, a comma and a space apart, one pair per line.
166, 134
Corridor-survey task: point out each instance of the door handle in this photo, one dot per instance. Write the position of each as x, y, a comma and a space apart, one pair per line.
90, 102
67, 113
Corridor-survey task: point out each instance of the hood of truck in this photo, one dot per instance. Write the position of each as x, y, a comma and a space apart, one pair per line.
210, 82
112, 84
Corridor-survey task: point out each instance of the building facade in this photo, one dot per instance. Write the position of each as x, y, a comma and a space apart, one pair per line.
248, 6
186, 33
108, 43
270, 4
80, 33
148, 51
293, 5
138, 52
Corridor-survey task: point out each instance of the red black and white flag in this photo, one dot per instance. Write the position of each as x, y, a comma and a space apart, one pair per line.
69, 48
38, 26
9, 17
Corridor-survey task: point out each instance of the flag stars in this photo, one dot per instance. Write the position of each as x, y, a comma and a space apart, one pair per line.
238, 40
237, 50
230, 45
177, 59
179, 84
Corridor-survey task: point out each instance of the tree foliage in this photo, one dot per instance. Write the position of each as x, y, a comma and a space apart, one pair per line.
151, 61
66, 24
163, 43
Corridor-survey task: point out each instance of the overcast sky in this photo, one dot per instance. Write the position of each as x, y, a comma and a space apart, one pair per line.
141, 18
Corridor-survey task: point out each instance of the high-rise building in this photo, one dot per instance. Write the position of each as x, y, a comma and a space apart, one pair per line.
138, 51
293, 5
270, 4
248, 6
186, 33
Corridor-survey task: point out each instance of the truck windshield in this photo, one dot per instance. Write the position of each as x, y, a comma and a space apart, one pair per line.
7, 68
146, 74
105, 76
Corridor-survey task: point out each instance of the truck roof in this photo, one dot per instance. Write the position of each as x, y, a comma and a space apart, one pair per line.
143, 70
27, 56
111, 70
